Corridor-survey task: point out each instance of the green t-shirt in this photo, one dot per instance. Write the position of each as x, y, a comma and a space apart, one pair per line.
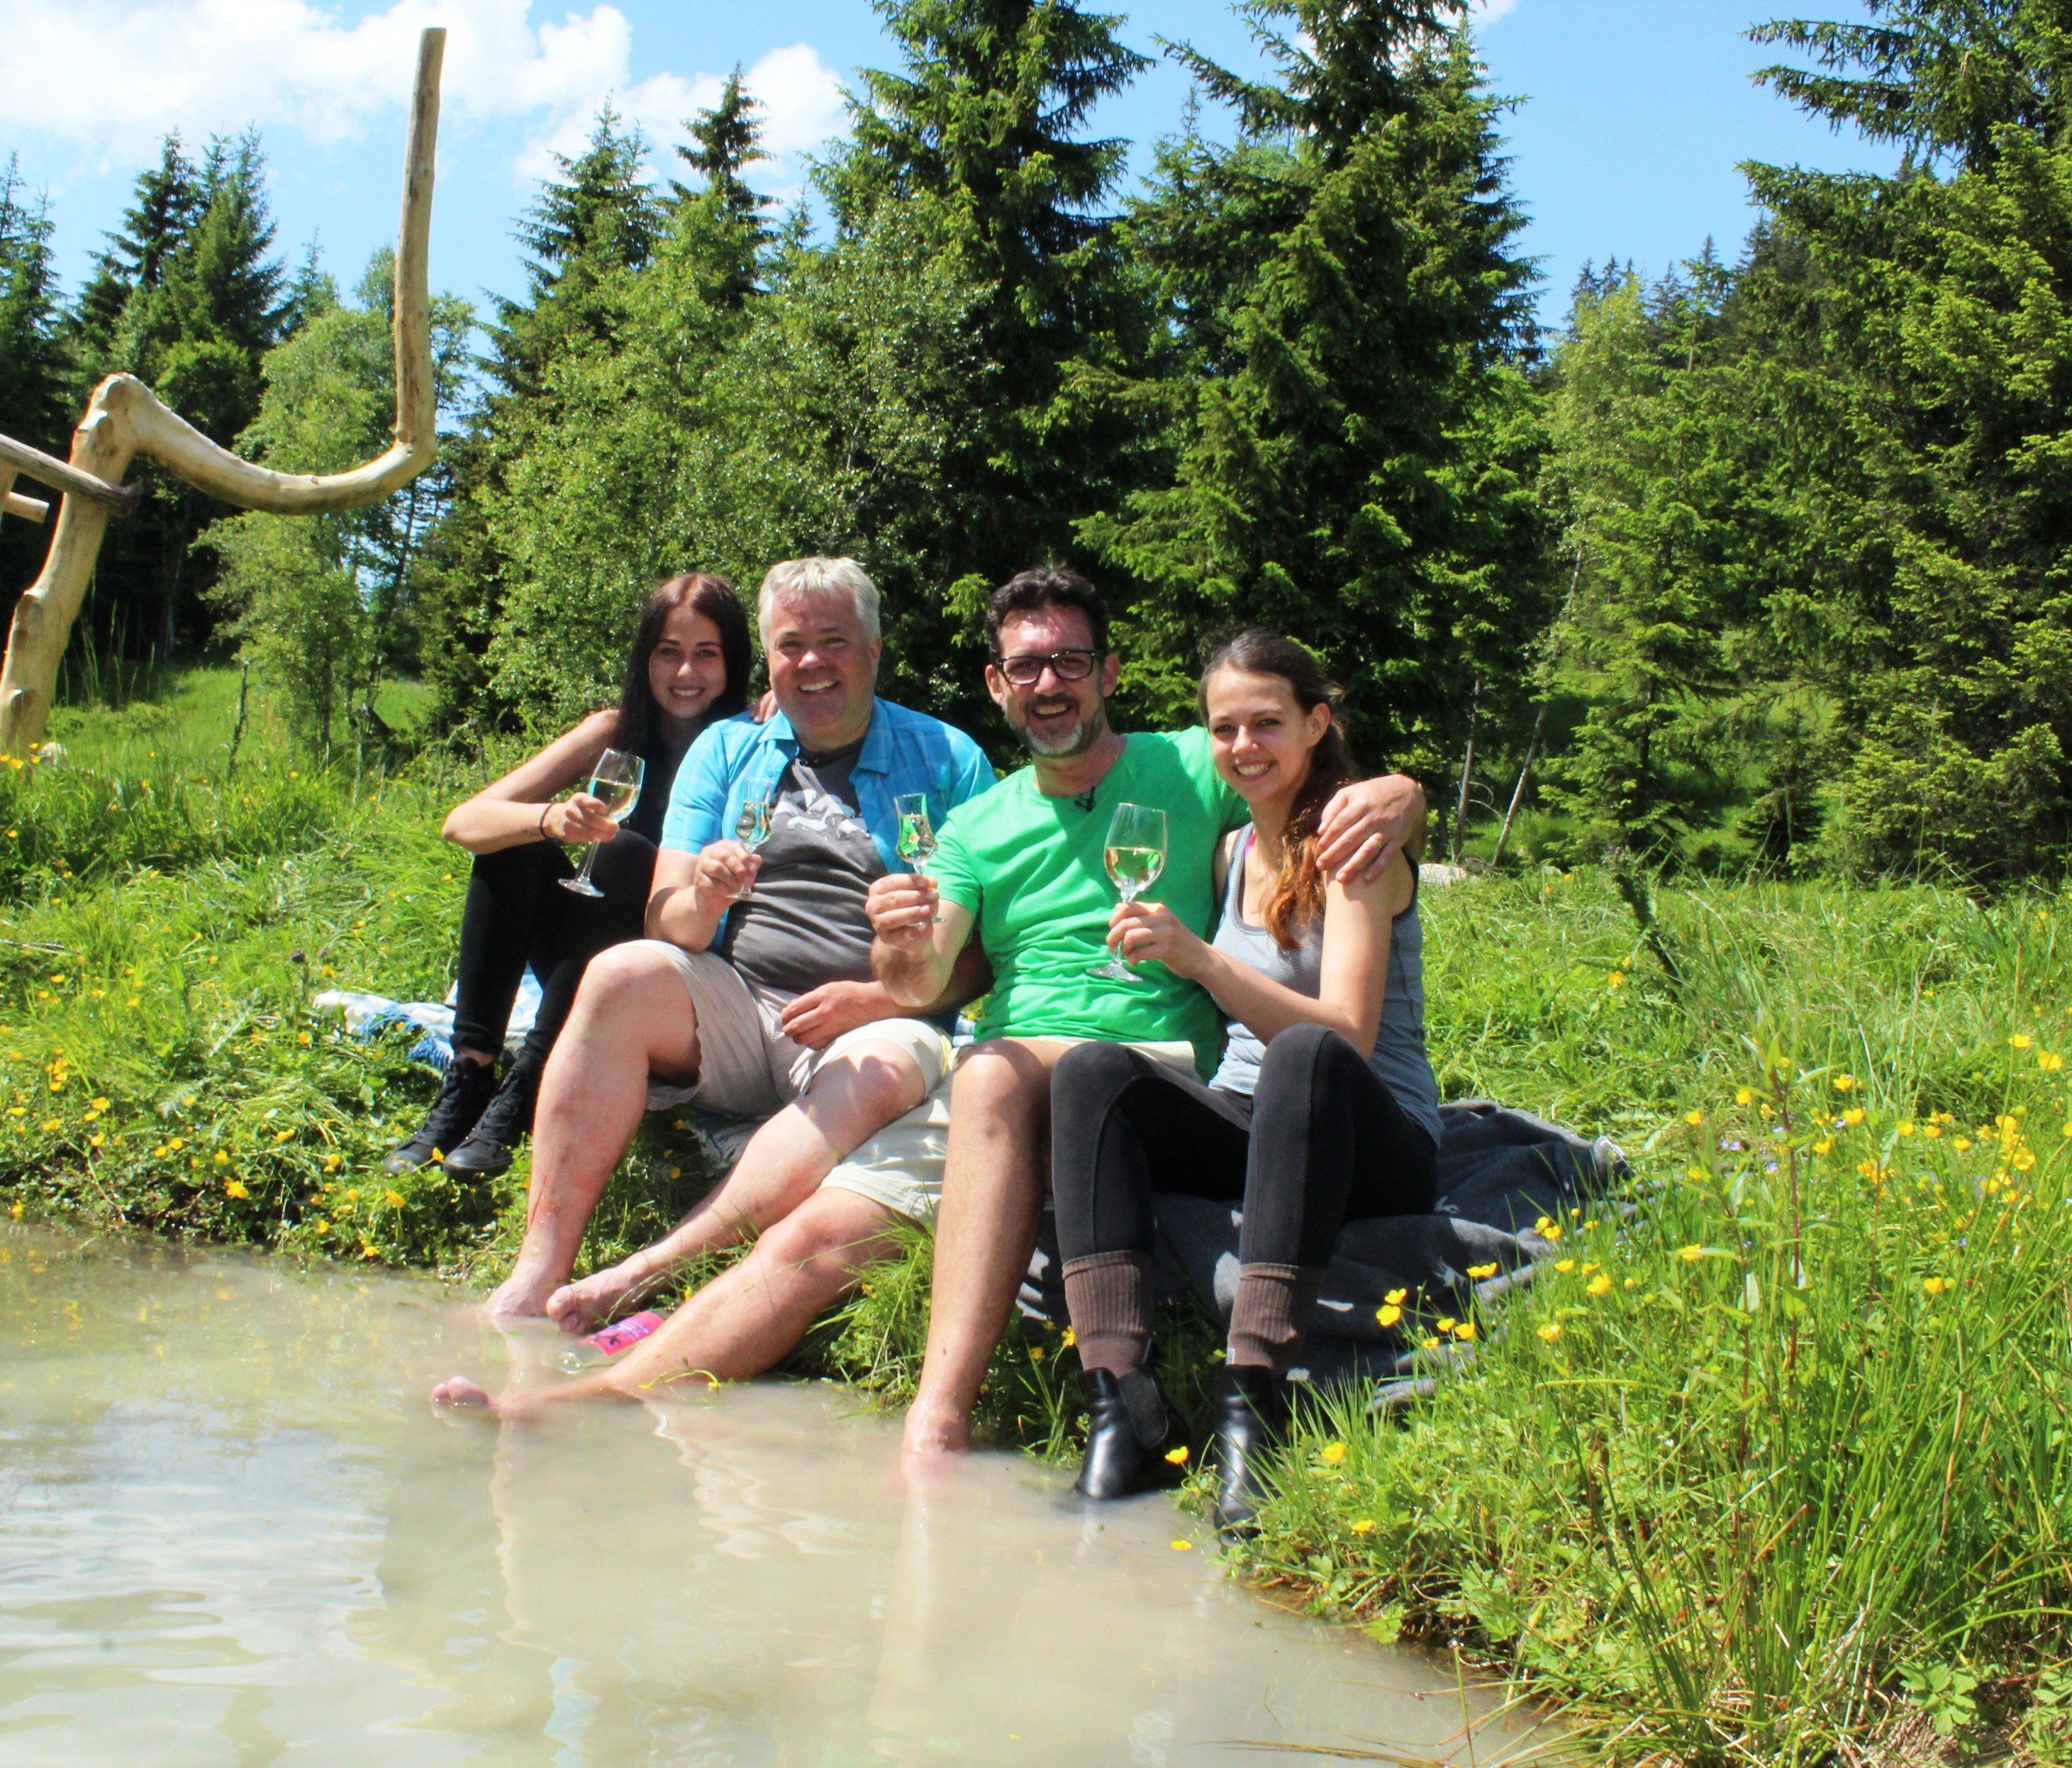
1029, 870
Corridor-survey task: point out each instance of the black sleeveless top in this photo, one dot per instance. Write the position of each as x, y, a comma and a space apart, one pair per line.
660, 758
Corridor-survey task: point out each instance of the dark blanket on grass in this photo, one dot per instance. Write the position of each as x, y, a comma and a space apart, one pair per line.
1500, 1172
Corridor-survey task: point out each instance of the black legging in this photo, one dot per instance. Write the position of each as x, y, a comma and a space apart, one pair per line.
1321, 1142
518, 913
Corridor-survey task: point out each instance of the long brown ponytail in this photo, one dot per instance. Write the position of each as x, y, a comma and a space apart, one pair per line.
1295, 897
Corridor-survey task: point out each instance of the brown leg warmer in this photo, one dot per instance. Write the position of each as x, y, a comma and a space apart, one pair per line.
1270, 1318
1109, 1295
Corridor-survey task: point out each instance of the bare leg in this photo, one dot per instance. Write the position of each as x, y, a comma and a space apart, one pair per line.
985, 1229
740, 1323
632, 1015
848, 1101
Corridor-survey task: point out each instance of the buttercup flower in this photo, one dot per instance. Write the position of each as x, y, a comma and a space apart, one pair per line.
1744, 1096
1550, 1332
2020, 1040
1565, 1266
1934, 1285
1616, 979
1331, 1455
1690, 1255
1364, 1526
1178, 1457
1389, 1313
1599, 1284
1478, 1271
1466, 1332
1394, 1298
1845, 1083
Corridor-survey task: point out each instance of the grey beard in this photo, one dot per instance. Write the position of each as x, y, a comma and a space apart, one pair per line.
1089, 732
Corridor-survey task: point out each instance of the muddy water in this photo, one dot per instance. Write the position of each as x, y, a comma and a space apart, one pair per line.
232, 1532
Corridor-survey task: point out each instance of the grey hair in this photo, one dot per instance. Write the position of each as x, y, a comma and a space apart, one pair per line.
817, 579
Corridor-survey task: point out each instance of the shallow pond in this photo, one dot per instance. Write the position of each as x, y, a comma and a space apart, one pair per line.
232, 1532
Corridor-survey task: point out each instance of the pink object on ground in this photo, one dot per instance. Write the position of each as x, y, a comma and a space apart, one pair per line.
627, 1333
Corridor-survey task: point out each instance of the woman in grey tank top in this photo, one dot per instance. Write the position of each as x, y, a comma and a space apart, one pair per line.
1325, 1108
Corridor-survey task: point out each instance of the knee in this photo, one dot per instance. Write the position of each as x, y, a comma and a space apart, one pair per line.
1301, 1052
998, 1078
882, 1085
619, 976
810, 1242
1092, 1071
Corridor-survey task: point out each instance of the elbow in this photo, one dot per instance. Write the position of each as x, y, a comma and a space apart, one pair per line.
454, 828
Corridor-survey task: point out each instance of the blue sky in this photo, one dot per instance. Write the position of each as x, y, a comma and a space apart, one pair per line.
1634, 114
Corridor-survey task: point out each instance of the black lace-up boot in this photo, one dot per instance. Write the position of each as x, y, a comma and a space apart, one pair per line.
1128, 1431
493, 1144
1252, 1420
462, 1100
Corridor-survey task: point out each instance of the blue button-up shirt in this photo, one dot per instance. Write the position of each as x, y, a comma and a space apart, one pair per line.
903, 751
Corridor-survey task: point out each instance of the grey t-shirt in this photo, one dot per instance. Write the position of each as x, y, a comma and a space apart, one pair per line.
804, 924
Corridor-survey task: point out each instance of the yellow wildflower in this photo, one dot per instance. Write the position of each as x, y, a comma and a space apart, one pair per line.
283, 1135
302, 1037
1616, 979
2023, 1160
1744, 1096
1690, 1255
1070, 1339
1853, 1116
1550, 1332
1694, 1118
222, 1159
1478, 1271
1389, 1313
1565, 1266
1599, 1284
1934, 1285
1331, 1455
1960, 1143
2020, 1040
1466, 1332
1822, 1145
1445, 1322
1364, 1526
1906, 1127
1178, 1457
330, 1164
1395, 1298
101, 1104
1183, 1547
235, 1188
394, 1199
1845, 1082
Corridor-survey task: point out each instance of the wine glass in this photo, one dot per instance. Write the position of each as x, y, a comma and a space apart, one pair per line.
751, 828
1135, 855
917, 834
616, 781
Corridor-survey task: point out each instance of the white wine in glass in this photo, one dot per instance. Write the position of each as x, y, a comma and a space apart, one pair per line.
615, 782
1134, 855
917, 834
751, 828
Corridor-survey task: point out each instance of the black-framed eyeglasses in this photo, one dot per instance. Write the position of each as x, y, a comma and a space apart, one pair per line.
1025, 668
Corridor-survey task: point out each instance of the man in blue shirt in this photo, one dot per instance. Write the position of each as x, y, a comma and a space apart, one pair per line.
753, 994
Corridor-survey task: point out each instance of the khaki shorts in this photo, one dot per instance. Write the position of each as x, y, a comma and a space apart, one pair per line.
901, 1167
748, 1066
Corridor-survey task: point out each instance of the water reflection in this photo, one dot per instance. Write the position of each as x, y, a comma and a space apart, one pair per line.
232, 1532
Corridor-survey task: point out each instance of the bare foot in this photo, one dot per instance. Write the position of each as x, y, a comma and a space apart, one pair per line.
933, 1432
462, 1392
597, 1300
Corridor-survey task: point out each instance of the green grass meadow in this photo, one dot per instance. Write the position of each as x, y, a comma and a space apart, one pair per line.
1773, 1473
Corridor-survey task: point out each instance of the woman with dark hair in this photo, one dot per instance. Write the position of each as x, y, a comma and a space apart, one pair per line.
687, 667
1324, 1110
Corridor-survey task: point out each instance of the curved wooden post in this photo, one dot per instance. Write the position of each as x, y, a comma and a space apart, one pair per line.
124, 420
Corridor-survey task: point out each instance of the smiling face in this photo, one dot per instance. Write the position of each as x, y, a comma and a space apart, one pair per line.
1055, 719
1261, 739
822, 668
687, 669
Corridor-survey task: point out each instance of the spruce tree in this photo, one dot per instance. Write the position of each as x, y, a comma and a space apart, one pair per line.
1354, 440
978, 140
725, 140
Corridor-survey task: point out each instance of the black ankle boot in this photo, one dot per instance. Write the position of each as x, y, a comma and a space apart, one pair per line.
1128, 1431
1252, 1419
468, 1089
493, 1143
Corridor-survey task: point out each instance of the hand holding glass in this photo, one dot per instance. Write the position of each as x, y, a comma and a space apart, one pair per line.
615, 784
751, 828
1134, 855
917, 834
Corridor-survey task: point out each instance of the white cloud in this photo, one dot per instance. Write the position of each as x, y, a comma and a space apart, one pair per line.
110, 77
1486, 12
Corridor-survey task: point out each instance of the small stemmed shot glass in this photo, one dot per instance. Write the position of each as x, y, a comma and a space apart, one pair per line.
917, 834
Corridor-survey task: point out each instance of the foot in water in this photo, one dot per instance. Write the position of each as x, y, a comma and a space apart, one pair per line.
461, 1393
523, 1294
580, 1308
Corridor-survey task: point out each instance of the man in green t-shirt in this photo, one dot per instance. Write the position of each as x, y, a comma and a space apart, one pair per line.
1023, 864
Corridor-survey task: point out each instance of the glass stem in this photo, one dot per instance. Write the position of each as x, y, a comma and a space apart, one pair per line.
582, 875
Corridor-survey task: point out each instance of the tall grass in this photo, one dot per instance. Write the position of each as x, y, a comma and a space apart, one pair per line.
1782, 1467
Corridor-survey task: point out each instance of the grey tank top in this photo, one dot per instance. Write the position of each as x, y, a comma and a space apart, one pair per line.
1398, 1057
